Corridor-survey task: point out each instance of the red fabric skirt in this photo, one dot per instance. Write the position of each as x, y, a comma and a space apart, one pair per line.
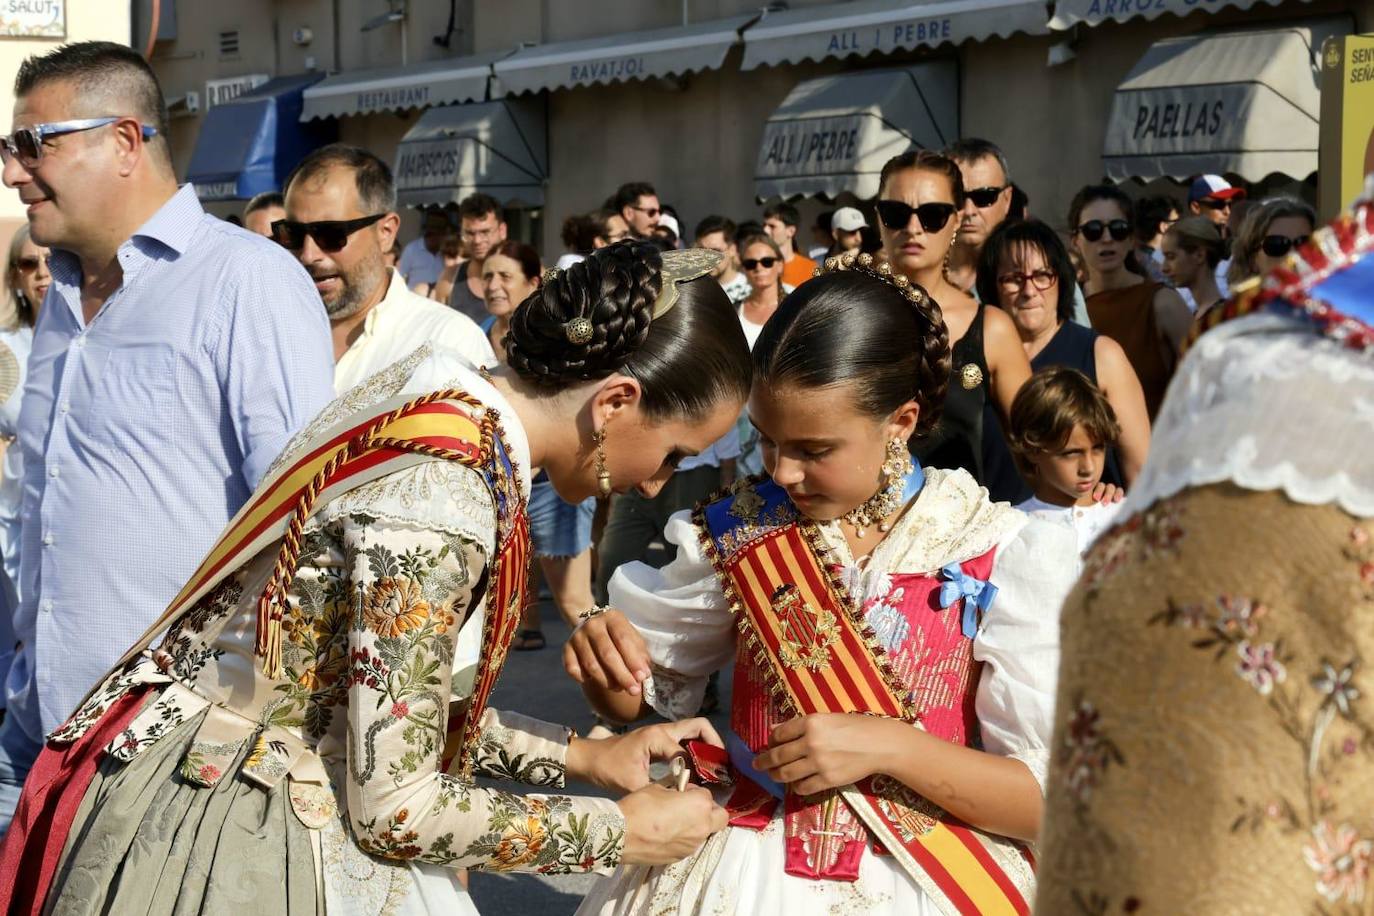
53, 793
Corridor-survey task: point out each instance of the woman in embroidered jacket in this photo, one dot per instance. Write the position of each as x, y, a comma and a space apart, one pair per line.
894, 652
300, 753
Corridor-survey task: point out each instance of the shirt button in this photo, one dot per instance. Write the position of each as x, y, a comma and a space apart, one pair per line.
47, 540
54, 472
65, 407
80, 343
47, 607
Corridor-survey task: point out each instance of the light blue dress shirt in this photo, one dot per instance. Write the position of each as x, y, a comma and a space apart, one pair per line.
18, 341
143, 433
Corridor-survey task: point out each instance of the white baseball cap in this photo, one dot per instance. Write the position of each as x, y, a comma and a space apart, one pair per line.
847, 219
670, 221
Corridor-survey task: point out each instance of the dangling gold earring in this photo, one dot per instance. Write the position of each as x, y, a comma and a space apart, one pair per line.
603, 476
898, 464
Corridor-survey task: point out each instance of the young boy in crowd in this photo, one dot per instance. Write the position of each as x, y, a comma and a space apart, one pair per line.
1061, 428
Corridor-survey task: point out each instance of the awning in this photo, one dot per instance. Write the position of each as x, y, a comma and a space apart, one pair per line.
869, 26
1243, 102
250, 144
499, 148
834, 134
435, 82
1068, 13
621, 57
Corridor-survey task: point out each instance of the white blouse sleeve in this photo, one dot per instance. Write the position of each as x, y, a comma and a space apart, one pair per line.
683, 617
1018, 642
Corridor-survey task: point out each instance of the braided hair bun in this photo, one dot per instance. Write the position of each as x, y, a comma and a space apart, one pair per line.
614, 290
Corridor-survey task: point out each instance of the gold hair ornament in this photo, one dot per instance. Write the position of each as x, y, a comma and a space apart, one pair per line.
678, 267
867, 264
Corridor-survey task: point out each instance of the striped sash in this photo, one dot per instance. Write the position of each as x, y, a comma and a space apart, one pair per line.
818, 657
394, 435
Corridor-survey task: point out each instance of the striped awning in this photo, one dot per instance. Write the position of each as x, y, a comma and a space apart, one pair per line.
1068, 13
871, 26
620, 57
436, 82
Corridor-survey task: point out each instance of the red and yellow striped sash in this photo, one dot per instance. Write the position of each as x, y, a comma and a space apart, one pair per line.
820, 658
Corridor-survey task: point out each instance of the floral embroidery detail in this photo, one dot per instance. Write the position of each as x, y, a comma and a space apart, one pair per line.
542, 834
394, 842
395, 606
1341, 860
1259, 666
1240, 615
494, 759
1153, 533
1336, 687
1090, 751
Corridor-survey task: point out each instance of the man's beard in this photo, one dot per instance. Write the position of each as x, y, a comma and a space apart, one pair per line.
356, 291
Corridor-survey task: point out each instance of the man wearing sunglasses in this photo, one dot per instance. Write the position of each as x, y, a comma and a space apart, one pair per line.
637, 204
1211, 196
174, 357
987, 200
340, 219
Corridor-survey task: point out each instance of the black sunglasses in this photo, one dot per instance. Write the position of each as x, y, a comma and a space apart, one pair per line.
1092, 230
897, 215
985, 197
754, 263
330, 234
1212, 203
1276, 246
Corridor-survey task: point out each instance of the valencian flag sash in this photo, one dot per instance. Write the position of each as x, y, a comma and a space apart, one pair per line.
389, 437
805, 637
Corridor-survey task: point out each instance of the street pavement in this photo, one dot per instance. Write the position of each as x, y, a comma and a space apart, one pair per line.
535, 683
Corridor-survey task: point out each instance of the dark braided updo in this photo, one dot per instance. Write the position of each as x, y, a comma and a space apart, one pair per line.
685, 361
614, 288
857, 328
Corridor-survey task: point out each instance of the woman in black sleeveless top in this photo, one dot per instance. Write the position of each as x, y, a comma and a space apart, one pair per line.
920, 195
1026, 270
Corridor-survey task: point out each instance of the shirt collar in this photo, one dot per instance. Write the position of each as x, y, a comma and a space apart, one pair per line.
171, 224
396, 290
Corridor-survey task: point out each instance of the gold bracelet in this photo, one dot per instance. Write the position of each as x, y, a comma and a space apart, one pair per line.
594, 611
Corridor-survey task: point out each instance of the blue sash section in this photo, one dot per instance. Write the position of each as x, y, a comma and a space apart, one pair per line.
1348, 291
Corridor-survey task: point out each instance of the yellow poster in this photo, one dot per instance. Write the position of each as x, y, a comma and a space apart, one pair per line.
1347, 128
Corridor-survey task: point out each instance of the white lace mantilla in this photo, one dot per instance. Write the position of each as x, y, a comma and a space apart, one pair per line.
1267, 403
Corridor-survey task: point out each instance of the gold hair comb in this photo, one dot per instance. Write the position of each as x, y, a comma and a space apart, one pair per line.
867, 264
678, 267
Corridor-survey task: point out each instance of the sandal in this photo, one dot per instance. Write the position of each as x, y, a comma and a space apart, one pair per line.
529, 641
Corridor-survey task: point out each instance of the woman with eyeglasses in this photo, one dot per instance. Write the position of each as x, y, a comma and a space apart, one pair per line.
1149, 320
1026, 270
762, 261
1271, 229
920, 194
1193, 248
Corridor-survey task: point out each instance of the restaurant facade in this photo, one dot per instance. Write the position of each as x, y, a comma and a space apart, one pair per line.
549, 105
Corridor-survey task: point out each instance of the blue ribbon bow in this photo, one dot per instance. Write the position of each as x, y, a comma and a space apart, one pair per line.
977, 595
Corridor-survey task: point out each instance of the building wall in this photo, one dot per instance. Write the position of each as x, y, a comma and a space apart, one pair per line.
87, 20
695, 137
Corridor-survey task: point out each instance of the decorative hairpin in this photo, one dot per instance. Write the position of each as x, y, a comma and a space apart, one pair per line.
867, 264
678, 267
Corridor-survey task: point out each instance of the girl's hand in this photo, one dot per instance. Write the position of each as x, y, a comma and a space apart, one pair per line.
813, 753
621, 763
607, 651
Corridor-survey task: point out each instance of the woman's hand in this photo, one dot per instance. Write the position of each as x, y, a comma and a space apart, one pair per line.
621, 763
813, 753
606, 651
663, 826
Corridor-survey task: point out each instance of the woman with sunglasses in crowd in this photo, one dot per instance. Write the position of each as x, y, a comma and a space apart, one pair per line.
1025, 269
1271, 229
1149, 320
762, 261
27, 277
920, 194
1193, 247
306, 737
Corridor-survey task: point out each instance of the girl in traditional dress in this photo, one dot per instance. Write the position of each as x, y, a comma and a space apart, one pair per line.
305, 738
894, 635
